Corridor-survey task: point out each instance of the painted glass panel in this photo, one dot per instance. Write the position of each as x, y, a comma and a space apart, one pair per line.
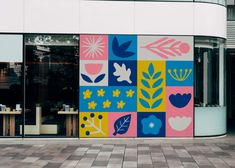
136, 86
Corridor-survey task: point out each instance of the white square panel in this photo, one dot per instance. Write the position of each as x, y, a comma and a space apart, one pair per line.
93, 73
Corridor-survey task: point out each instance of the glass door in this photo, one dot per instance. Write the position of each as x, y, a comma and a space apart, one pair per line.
51, 85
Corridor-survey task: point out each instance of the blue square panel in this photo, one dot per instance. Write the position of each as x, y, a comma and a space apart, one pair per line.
179, 73
122, 47
107, 99
122, 73
151, 124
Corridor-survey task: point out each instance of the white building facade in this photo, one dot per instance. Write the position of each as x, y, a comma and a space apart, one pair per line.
39, 36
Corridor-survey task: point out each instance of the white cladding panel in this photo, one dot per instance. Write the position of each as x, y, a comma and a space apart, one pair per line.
210, 20
113, 17
107, 17
164, 18
52, 16
12, 14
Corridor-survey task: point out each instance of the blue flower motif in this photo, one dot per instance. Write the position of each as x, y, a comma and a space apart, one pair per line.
151, 125
180, 100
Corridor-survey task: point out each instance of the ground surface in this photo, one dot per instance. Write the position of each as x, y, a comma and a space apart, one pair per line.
115, 153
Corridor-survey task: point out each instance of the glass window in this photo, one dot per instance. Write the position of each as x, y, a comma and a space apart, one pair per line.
231, 12
11, 98
230, 2
209, 72
11, 48
11, 84
51, 85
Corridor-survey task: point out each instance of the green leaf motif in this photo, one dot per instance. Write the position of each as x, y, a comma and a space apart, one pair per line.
156, 75
144, 103
146, 76
151, 69
145, 94
156, 103
145, 83
157, 93
157, 83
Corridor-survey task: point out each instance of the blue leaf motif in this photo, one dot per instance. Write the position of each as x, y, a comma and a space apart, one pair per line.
115, 44
144, 103
122, 124
146, 76
156, 103
125, 45
157, 93
157, 83
151, 69
156, 75
127, 54
99, 78
145, 94
86, 78
145, 83
121, 50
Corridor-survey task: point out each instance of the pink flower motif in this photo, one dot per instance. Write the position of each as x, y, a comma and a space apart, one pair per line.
93, 47
93, 69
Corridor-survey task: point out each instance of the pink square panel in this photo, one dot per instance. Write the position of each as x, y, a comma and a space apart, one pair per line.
122, 124
93, 47
179, 111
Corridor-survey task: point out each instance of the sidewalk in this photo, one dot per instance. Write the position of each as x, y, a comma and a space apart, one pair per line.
114, 153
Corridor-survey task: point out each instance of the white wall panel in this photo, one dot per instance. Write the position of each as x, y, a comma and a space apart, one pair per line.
108, 17
52, 16
210, 121
11, 12
112, 17
210, 20
164, 18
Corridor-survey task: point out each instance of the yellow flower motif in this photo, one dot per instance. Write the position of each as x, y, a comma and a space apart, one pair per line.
120, 104
92, 105
87, 94
106, 104
116, 93
129, 93
100, 92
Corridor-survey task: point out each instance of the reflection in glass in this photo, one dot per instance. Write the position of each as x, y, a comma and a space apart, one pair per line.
231, 13
51, 84
209, 72
11, 98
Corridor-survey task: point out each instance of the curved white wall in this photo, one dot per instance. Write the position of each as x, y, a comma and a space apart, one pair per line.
210, 19
113, 17
210, 121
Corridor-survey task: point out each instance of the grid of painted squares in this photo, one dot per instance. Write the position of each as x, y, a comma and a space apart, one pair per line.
136, 86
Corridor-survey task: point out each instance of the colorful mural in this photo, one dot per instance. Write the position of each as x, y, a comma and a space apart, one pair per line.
136, 86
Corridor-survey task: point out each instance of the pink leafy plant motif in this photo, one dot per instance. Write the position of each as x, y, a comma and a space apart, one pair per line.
166, 47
